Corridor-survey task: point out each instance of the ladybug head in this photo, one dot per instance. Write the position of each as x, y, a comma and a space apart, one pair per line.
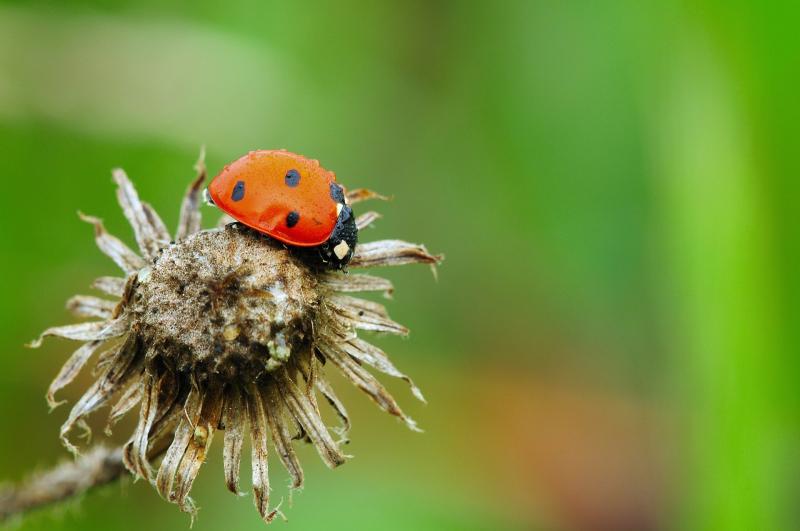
341, 244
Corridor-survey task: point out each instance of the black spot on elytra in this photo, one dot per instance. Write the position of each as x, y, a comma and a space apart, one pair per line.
238, 191
292, 178
292, 218
337, 193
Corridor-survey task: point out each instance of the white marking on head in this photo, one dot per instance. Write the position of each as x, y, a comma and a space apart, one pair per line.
341, 250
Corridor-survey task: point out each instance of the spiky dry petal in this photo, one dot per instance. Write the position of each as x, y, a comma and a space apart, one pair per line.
233, 420
190, 219
92, 331
364, 315
281, 438
375, 357
89, 306
70, 370
362, 194
125, 365
392, 253
165, 480
324, 387
145, 231
308, 417
113, 286
258, 437
128, 400
308, 366
353, 283
364, 381
159, 228
135, 455
197, 448
169, 411
112, 247
358, 304
366, 219
104, 359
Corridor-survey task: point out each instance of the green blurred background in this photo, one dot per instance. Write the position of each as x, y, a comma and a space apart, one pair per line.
615, 184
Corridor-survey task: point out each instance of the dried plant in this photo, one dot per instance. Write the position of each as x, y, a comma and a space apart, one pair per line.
226, 329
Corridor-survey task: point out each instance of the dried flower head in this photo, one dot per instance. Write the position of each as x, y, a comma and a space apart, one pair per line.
225, 329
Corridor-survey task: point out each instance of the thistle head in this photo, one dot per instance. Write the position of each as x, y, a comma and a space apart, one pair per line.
226, 330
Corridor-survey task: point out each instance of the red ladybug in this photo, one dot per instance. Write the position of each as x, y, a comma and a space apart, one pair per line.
290, 198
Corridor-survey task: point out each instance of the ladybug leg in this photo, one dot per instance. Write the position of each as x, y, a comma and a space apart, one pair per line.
224, 221
189, 220
323, 254
207, 198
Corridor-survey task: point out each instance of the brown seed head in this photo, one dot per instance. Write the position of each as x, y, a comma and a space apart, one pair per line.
229, 302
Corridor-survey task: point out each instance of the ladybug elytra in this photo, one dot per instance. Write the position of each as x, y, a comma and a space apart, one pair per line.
290, 198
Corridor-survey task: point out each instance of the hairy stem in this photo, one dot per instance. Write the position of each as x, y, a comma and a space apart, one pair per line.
97, 467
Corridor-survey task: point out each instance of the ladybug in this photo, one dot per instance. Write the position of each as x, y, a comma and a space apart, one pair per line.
290, 198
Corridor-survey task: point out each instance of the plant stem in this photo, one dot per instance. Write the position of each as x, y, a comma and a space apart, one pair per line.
97, 467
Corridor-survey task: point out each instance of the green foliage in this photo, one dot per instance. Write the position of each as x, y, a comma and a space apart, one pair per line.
614, 185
